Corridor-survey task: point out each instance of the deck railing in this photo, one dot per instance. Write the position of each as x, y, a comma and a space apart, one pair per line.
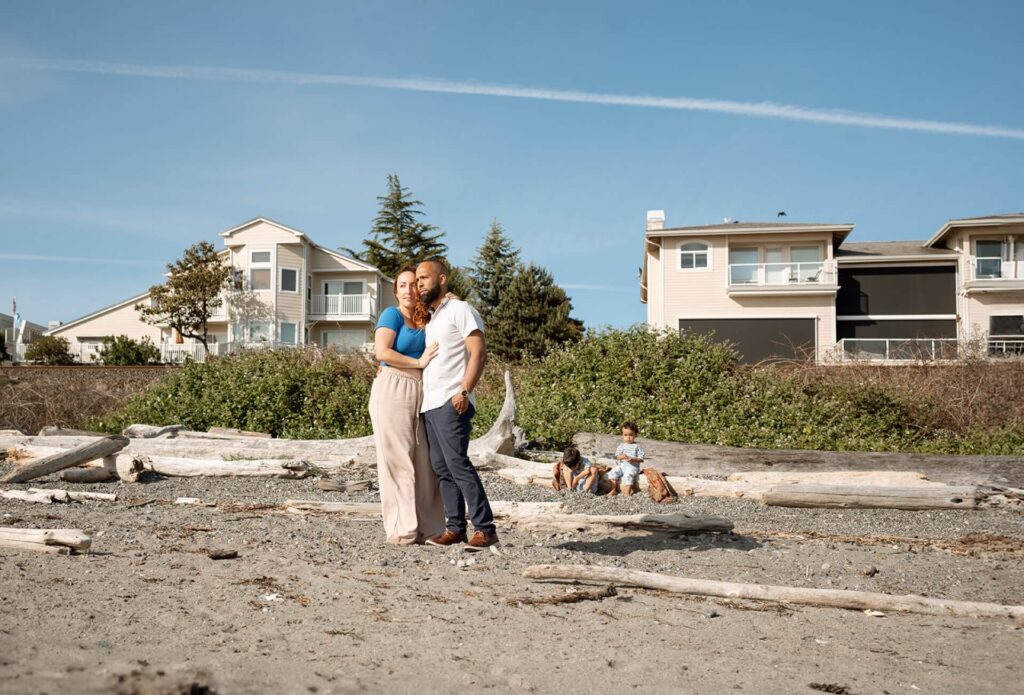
781, 273
995, 268
898, 349
338, 304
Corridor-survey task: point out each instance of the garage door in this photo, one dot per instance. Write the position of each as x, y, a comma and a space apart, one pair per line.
759, 339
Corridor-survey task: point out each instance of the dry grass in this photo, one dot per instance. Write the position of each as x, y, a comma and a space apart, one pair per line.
33, 397
963, 397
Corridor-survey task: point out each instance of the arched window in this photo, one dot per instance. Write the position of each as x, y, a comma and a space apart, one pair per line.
694, 255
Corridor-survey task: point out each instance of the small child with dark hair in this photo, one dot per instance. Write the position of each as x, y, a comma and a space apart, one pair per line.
575, 472
630, 457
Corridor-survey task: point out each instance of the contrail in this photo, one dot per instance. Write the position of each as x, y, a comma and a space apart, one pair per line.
739, 108
74, 259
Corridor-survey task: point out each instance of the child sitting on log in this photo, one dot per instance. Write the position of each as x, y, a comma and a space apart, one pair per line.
630, 457
575, 472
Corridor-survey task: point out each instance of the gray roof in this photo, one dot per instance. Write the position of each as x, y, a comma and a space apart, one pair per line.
1008, 216
749, 225
864, 249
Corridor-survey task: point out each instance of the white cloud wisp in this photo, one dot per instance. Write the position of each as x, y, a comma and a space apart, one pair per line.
738, 108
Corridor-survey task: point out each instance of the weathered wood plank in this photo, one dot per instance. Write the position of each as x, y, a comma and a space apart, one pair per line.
832, 598
676, 458
93, 449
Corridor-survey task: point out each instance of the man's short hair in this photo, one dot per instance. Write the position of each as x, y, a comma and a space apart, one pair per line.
439, 265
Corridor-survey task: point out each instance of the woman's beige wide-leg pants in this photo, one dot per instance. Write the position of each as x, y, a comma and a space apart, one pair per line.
409, 494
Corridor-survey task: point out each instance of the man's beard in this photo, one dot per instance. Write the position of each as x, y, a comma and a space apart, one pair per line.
431, 295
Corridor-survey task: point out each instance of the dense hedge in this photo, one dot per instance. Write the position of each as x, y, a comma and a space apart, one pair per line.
676, 387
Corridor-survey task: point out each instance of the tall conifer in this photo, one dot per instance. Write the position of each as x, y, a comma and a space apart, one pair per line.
398, 237
492, 270
533, 316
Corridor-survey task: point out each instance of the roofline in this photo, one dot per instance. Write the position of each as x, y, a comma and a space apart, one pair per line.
94, 314
982, 222
330, 252
717, 230
228, 232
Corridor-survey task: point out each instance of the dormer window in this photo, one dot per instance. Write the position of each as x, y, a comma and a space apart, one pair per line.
694, 255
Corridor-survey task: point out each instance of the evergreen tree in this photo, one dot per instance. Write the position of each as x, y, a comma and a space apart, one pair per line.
492, 270
398, 237
533, 316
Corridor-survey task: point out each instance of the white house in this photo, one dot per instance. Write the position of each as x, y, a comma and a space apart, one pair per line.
286, 290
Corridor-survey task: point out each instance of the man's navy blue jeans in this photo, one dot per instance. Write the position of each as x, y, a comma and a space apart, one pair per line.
461, 488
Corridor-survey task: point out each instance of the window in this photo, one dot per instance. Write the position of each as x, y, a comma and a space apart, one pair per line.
288, 333
743, 267
990, 258
259, 270
806, 262
259, 331
1006, 326
289, 280
344, 339
693, 255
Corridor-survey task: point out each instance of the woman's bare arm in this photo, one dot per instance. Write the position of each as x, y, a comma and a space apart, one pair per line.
384, 351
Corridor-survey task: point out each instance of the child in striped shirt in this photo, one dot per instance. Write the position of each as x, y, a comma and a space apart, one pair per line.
630, 457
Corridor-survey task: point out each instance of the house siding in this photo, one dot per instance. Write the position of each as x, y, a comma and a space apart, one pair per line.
289, 305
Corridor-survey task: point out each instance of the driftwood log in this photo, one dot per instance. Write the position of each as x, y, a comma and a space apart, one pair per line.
547, 516
93, 449
45, 540
189, 467
675, 458
873, 497
500, 438
108, 471
832, 598
34, 494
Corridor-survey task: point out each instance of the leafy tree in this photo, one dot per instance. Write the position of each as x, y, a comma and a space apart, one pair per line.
492, 270
192, 291
532, 317
3, 348
123, 351
398, 237
49, 350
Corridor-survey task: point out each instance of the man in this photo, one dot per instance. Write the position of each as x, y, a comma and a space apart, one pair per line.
449, 405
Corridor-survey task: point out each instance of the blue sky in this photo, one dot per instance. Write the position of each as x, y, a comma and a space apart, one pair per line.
520, 111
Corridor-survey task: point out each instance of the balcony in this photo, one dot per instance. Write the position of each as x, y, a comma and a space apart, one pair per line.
993, 274
782, 278
897, 349
340, 306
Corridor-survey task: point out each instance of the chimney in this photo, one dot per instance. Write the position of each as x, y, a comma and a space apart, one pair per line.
54, 324
655, 220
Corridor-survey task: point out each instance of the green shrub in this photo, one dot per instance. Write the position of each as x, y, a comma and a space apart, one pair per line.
123, 351
49, 350
683, 387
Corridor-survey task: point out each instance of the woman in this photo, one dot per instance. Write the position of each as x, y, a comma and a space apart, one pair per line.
409, 493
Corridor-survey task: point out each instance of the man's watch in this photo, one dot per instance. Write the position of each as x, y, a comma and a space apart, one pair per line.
464, 393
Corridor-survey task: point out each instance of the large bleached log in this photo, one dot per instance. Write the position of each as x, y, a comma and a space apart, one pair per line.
882, 478
54, 431
108, 471
500, 438
45, 540
873, 497
151, 431
328, 454
41, 496
93, 449
547, 516
676, 458
833, 598
189, 468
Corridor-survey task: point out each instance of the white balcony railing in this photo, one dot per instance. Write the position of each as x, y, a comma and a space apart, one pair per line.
1006, 347
338, 304
903, 349
818, 273
995, 268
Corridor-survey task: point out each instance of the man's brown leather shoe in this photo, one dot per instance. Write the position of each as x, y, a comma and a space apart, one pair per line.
481, 540
449, 537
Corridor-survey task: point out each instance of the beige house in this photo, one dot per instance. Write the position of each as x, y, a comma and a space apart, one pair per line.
286, 290
784, 290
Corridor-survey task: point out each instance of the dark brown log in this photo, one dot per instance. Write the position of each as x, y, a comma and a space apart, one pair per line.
91, 451
677, 458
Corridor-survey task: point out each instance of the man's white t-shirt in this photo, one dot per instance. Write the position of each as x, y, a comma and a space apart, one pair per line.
449, 327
